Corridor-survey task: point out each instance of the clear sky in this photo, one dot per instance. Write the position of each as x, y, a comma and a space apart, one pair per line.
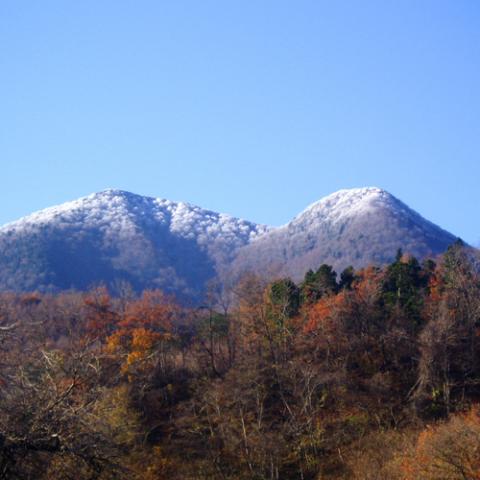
255, 108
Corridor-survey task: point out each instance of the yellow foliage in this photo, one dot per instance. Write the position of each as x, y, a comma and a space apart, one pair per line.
118, 417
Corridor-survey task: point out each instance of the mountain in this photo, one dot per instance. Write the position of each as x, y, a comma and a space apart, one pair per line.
350, 227
114, 236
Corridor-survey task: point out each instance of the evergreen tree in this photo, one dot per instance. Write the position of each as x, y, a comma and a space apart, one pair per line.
285, 294
346, 278
403, 284
319, 283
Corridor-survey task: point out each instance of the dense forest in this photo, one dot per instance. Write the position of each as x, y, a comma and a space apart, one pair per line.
371, 374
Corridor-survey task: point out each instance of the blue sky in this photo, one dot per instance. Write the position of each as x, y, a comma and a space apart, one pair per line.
254, 108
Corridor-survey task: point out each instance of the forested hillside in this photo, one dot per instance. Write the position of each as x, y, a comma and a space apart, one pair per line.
369, 374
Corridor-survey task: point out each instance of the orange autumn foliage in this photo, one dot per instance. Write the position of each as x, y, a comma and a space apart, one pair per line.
448, 450
324, 313
101, 316
152, 310
319, 315
368, 284
146, 324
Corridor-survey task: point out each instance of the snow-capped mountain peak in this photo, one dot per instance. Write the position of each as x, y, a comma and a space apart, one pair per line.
346, 203
350, 227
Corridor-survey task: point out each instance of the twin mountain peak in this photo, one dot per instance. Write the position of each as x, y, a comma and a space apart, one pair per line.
114, 236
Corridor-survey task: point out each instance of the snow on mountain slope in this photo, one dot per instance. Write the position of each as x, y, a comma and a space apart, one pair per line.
350, 227
153, 243
119, 212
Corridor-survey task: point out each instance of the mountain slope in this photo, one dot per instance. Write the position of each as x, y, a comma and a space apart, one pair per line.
115, 235
153, 243
350, 227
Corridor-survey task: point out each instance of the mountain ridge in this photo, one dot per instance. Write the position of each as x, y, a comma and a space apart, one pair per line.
151, 242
